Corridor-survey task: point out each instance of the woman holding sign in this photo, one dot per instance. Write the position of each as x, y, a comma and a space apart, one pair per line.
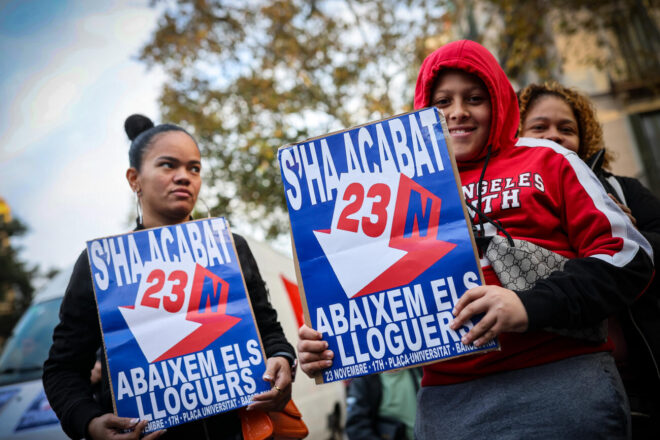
165, 174
543, 383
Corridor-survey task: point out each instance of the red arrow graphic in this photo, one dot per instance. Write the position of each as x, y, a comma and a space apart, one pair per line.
294, 297
207, 306
422, 247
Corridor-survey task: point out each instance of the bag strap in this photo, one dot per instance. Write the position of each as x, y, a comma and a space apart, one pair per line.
483, 241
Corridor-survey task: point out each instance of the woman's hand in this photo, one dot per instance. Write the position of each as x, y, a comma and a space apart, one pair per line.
95, 375
625, 209
110, 427
278, 373
503, 312
313, 353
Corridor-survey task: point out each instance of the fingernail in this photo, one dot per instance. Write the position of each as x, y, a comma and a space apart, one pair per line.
327, 363
267, 377
135, 421
452, 325
476, 343
453, 311
464, 340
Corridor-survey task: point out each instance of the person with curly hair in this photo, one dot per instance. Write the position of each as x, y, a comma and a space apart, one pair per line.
568, 117
587, 131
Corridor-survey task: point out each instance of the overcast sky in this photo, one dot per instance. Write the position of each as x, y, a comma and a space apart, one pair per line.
68, 79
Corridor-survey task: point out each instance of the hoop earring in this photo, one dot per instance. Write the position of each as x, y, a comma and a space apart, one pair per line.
138, 207
208, 210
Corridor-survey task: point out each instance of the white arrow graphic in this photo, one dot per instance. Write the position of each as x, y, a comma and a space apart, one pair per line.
356, 258
155, 329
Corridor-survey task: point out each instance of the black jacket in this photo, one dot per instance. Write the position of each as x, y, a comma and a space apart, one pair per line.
77, 338
641, 321
364, 397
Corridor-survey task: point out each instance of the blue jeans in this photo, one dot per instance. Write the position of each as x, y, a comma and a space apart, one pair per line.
577, 398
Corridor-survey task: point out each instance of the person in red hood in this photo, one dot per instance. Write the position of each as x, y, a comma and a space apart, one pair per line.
541, 384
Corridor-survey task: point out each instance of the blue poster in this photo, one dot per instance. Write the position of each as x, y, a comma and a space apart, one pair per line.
178, 328
382, 243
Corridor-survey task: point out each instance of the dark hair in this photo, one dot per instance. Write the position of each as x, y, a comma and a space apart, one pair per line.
141, 131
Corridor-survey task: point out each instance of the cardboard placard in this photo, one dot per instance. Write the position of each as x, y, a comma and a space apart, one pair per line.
382, 243
178, 328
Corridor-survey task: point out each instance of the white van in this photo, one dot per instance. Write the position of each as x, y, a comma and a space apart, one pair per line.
25, 412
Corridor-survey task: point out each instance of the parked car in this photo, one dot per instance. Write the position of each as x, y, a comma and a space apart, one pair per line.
24, 409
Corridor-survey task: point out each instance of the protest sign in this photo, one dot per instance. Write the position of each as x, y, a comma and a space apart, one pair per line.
178, 327
382, 243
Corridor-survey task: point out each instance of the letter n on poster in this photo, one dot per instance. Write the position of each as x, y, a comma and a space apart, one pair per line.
382, 243
178, 328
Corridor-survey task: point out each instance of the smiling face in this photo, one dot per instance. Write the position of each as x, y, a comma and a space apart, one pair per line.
168, 180
465, 101
550, 117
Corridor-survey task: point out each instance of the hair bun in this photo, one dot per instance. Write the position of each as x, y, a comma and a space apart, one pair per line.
136, 124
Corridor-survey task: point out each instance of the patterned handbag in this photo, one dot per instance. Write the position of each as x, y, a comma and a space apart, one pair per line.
518, 264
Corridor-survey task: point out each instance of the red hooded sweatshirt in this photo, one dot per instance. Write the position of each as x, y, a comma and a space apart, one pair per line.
542, 193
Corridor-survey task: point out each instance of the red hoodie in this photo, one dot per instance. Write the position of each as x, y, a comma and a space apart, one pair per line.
545, 194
